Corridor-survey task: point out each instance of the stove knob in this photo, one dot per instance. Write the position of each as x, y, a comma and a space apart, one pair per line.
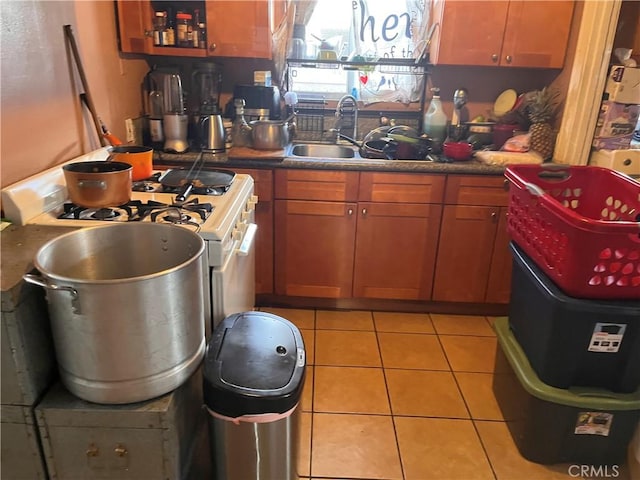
236, 234
246, 216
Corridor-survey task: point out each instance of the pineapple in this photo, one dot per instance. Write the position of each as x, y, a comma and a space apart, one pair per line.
541, 110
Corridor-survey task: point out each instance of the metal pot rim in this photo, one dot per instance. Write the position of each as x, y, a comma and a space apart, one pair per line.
47, 273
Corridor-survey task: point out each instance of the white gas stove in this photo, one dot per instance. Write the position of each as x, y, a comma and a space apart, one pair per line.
223, 217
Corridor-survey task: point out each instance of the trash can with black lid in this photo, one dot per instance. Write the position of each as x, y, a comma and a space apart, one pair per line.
254, 371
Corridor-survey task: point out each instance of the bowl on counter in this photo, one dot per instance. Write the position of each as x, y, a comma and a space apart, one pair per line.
457, 150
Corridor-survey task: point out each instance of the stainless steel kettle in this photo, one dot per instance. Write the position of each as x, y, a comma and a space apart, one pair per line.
212, 133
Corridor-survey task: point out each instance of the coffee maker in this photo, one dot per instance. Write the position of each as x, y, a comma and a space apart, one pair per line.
261, 102
206, 82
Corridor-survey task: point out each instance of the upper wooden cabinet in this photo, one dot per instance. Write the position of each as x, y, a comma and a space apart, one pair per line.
516, 33
234, 29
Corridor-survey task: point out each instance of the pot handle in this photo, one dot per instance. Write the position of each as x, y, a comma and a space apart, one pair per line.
41, 282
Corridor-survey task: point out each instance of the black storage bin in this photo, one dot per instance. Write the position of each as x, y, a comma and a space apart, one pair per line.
254, 372
571, 341
551, 425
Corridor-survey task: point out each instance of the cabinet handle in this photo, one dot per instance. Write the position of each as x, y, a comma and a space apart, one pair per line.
505, 185
508, 58
120, 450
92, 450
364, 212
350, 211
212, 47
494, 217
148, 33
494, 58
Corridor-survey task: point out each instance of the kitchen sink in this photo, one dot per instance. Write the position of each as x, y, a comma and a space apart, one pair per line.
322, 151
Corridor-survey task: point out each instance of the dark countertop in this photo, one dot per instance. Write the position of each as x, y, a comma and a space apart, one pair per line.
248, 158
19, 247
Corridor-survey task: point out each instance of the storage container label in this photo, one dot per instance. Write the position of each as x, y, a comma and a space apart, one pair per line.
593, 423
607, 337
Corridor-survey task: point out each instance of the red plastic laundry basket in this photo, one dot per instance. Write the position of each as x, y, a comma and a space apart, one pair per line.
580, 225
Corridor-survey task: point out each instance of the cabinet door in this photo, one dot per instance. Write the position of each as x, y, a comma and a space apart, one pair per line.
536, 33
465, 250
499, 286
135, 26
314, 244
239, 29
395, 250
471, 33
264, 219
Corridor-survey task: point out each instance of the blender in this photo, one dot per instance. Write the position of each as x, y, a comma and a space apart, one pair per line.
175, 121
206, 82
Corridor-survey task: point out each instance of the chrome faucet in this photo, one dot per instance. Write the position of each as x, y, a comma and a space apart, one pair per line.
346, 105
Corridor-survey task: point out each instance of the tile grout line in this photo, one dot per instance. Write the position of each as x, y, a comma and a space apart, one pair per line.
386, 387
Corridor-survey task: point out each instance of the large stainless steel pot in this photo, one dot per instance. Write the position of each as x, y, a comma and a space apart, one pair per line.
126, 303
270, 134
98, 184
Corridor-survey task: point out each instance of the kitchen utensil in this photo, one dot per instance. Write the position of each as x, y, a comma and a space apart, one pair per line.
98, 184
214, 179
457, 150
85, 85
140, 159
127, 308
271, 134
212, 133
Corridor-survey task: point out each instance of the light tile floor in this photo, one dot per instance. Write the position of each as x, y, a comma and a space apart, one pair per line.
405, 396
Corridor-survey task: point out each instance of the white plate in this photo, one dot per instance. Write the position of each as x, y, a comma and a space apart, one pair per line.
505, 102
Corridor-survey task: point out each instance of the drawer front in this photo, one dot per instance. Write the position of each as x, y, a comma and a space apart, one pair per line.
21, 453
401, 188
476, 190
332, 186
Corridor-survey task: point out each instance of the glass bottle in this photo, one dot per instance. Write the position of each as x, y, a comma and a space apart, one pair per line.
435, 120
171, 33
240, 131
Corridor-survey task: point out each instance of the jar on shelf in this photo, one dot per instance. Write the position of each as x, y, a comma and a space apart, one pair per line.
159, 28
184, 29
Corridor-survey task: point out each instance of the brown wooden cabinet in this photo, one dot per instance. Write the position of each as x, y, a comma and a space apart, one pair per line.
314, 232
234, 29
473, 263
515, 33
264, 219
381, 246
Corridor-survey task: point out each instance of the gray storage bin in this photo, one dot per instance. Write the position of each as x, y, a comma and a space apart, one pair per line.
254, 371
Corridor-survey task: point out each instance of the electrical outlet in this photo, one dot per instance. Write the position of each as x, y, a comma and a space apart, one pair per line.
131, 130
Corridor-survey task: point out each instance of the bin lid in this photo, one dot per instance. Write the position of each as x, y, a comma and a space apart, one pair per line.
254, 364
580, 397
545, 285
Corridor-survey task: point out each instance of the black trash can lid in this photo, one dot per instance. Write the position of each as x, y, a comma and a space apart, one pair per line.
254, 364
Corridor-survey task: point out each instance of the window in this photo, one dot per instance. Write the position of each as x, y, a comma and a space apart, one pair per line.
362, 30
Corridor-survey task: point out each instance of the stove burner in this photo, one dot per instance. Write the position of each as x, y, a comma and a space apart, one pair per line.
189, 212
143, 186
105, 214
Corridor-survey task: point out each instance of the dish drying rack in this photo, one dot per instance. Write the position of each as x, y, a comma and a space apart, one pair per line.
310, 118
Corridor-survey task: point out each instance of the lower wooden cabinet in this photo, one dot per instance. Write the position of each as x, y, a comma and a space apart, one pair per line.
474, 262
382, 246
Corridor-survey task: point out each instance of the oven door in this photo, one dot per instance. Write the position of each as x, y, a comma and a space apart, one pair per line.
233, 285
